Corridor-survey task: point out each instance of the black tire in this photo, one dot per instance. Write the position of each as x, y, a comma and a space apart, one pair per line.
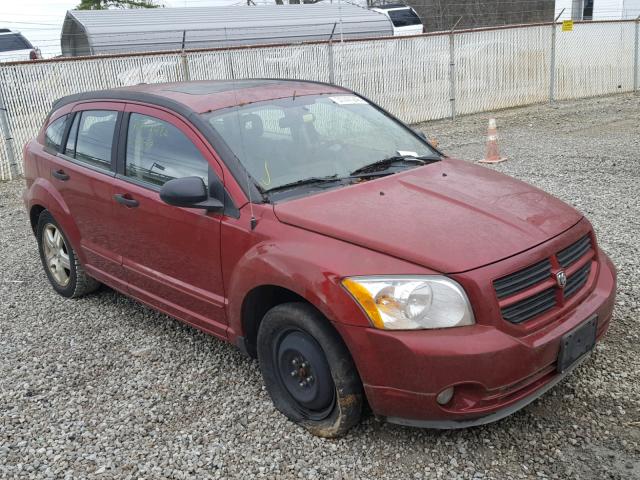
295, 344
78, 281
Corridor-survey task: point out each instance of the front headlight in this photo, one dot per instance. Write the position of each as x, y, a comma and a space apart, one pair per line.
411, 303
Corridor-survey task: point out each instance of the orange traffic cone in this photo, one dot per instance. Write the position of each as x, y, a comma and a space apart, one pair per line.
492, 154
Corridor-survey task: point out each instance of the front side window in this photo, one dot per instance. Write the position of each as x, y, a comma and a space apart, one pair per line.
54, 133
158, 152
318, 136
91, 137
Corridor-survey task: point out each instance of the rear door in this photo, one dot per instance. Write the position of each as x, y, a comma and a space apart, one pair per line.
83, 173
171, 255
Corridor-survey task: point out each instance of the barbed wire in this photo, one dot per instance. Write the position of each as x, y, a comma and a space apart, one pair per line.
609, 13
439, 22
493, 7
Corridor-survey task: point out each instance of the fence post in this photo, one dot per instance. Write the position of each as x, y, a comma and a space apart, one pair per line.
552, 67
332, 75
229, 55
636, 55
452, 69
183, 59
8, 138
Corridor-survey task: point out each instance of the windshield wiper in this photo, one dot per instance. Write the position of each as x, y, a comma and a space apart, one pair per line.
329, 179
304, 181
387, 162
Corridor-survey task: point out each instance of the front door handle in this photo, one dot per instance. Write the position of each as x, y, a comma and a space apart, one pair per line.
60, 175
127, 202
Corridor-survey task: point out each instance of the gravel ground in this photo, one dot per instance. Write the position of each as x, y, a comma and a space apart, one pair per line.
103, 387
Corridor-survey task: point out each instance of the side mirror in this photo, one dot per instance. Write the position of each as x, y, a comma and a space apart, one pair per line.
189, 192
421, 134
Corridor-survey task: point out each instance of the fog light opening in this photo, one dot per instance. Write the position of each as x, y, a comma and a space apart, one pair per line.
445, 396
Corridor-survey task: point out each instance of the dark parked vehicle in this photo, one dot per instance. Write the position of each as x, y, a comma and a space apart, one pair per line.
305, 225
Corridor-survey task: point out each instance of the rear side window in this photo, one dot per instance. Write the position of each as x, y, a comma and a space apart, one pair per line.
91, 137
404, 17
158, 152
13, 41
54, 133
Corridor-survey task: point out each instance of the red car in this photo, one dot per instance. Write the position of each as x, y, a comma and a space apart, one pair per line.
310, 228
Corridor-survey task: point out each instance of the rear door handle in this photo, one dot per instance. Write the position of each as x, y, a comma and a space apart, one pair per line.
60, 175
127, 202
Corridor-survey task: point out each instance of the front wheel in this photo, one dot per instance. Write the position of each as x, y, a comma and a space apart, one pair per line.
308, 370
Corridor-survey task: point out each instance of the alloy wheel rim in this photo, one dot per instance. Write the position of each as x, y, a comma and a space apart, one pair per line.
56, 254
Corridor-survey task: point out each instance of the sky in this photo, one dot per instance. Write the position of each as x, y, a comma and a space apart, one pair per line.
41, 20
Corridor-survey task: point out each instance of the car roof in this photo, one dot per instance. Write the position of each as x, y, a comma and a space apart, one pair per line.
209, 95
190, 99
392, 6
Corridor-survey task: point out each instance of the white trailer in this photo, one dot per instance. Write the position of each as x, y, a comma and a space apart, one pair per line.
598, 9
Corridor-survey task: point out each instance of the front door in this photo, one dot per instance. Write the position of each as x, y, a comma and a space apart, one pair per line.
171, 255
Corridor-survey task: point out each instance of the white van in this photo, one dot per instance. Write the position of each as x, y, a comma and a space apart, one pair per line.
14, 47
405, 20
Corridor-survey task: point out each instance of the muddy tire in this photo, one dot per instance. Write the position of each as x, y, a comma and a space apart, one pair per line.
308, 370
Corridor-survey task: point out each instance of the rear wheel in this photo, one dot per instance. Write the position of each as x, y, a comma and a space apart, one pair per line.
60, 263
308, 370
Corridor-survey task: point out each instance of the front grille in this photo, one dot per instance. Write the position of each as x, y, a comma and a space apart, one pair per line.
532, 276
574, 252
530, 307
576, 281
516, 282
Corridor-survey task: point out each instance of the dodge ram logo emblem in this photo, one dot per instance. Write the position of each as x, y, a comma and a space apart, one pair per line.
561, 278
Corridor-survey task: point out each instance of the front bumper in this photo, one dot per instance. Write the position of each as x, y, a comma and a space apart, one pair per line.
491, 417
493, 372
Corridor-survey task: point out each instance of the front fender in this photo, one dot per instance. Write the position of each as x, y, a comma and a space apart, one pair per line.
269, 264
306, 263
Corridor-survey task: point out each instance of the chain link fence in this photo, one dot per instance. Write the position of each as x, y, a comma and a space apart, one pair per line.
595, 59
418, 78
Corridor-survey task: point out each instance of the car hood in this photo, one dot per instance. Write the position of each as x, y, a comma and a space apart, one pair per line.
450, 216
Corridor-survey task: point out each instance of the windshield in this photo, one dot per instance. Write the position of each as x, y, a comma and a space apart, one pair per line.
290, 140
404, 18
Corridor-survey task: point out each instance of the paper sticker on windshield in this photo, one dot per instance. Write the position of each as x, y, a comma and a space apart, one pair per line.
406, 153
348, 100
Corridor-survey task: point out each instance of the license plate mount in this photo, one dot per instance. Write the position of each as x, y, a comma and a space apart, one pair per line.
577, 343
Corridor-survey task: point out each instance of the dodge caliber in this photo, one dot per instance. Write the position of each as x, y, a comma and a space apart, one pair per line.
319, 234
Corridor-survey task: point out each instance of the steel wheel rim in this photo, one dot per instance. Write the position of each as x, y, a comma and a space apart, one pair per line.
56, 254
318, 403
